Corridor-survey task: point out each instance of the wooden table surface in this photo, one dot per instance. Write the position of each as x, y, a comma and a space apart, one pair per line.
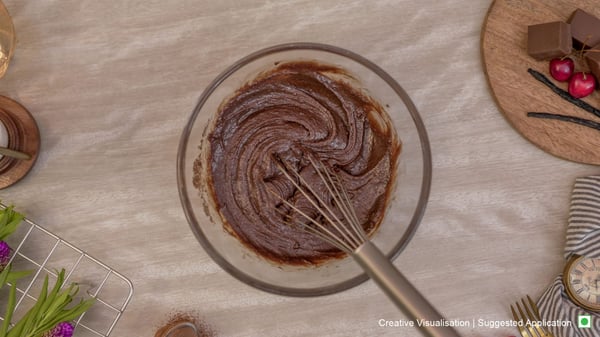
111, 85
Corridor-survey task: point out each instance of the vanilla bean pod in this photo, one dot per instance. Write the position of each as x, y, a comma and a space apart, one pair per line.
563, 93
565, 118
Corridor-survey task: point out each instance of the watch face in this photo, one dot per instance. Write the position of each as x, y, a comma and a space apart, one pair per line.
583, 282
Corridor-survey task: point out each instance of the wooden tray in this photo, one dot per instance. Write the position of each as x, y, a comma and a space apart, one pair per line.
504, 51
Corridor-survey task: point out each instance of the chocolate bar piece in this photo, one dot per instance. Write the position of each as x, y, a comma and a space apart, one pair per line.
549, 40
585, 28
593, 60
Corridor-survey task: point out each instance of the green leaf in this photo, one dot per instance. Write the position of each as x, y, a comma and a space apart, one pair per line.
53, 294
50, 309
5, 214
44, 300
9, 222
10, 309
70, 314
14, 276
4, 275
27, 322
17, 329
9, 276
62, 299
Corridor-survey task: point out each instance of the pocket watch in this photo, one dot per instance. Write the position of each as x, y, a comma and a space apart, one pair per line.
581, 279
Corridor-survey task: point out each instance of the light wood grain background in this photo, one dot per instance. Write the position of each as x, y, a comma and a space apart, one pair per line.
112, 84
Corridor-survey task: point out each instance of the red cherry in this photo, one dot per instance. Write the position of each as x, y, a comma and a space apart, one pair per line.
562, 69
582, 84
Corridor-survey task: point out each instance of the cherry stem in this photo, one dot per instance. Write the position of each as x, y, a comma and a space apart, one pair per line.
582, 48
579, 53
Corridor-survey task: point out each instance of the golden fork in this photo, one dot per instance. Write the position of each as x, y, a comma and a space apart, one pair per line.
528, 318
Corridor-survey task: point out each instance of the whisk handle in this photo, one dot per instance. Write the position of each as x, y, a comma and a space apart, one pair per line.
406, 297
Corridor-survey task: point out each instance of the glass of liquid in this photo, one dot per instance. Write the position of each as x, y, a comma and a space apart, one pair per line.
7, 39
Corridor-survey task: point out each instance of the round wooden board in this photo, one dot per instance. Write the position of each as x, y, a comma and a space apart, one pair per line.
504, 50
24, 136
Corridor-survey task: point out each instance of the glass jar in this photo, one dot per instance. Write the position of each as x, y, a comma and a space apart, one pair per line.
7, 39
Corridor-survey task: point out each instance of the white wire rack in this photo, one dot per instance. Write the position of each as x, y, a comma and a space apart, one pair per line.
44, 253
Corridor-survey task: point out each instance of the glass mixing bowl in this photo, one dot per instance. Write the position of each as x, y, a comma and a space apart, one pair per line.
405, 209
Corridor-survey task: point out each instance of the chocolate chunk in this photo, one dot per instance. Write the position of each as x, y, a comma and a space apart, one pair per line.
549, 40
585, 28
593, 60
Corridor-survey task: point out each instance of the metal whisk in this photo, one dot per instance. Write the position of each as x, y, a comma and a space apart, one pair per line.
346, 233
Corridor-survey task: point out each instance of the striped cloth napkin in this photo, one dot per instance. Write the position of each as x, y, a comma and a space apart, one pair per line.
583, 238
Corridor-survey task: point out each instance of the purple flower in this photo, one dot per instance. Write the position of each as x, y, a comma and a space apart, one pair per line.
63, 329
4, 254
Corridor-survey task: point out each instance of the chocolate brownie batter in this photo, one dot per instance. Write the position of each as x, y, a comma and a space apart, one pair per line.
295, 110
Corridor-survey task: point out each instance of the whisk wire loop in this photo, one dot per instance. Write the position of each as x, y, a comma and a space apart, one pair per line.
340, 195
327, 236
321, 206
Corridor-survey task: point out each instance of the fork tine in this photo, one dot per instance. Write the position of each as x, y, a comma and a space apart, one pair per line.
521, 328
531, 314
529, 327
535, 308
541, 330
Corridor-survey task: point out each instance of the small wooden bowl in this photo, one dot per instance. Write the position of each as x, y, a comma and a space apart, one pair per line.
23, 135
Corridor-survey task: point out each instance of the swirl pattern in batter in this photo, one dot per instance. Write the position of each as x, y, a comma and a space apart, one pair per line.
295, 110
